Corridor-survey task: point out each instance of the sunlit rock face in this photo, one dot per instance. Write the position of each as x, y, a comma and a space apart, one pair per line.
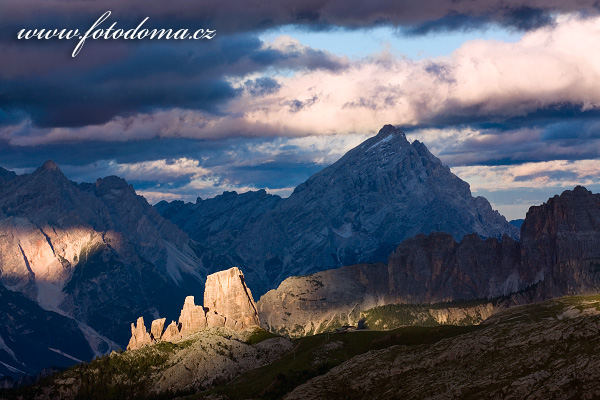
96, 253
322, 301
192, 317
228, 303
139, 335
157, 328
226, 293
171, 333
357, 210
558, 254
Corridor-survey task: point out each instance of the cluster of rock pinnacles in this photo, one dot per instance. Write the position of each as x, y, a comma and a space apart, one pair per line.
227, 303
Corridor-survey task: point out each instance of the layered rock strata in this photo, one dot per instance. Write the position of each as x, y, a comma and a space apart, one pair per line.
228, 303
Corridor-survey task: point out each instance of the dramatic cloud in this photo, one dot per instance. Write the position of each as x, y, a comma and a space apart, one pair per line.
150, 77
202, 169
242, 16
556, 173
483, 81
480, 146
239, 113
513, 189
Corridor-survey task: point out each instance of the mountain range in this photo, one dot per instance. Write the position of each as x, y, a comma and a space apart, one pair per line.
357, 210
558, 254
93, 257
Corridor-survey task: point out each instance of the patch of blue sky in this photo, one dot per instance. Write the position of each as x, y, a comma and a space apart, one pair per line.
363, 42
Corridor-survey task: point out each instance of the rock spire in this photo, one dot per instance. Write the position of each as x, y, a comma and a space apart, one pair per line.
227, 303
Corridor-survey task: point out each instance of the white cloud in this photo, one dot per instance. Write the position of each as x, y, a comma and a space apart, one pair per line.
162, 170
551, 65
557, 173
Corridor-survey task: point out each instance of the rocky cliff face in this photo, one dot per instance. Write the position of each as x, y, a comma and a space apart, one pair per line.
315, 303
357, 210
226, 294
436, 268
96, 254
558, 254
540, 351
560, 248
228, 303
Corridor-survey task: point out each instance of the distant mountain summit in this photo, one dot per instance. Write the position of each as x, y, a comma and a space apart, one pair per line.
357, 210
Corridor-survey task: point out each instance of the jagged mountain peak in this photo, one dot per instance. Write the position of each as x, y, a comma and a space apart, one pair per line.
386, 165
389, 132
50, 166
6, 175
50, 175
562, 213
388, 138
356, 210
50, 170
92, 249
112, 185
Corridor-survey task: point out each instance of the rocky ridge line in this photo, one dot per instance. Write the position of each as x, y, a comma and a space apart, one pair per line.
229, 304
557, 255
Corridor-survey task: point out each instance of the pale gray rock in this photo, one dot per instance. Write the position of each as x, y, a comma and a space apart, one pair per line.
203, 360
311, 304
139, 335
192, 317
172, 332
558, 255
228, 304
96, 253
214, 320
157, 328
226, 294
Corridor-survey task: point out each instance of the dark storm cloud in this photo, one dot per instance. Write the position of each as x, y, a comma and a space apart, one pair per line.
41, 82
254, 15
554, 175
41, 85
560, 118
519, 17
151, 76
537, 140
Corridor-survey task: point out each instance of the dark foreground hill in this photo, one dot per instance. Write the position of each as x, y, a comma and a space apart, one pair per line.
546, 350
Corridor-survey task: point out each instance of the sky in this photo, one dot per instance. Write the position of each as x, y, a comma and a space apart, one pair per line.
506, 93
